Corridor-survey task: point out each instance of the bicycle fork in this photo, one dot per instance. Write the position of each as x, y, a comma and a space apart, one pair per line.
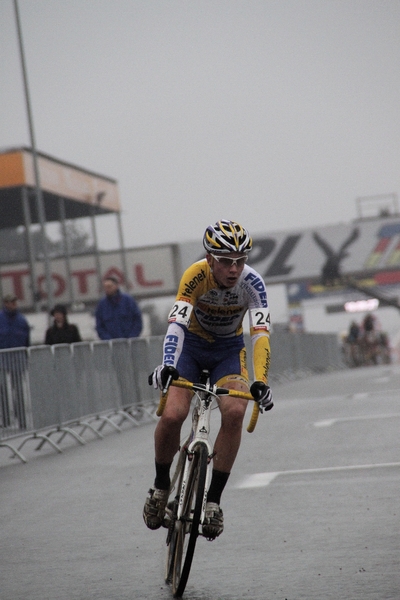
199, 435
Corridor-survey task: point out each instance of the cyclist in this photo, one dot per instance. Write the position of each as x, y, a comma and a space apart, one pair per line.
370, 339
205, 332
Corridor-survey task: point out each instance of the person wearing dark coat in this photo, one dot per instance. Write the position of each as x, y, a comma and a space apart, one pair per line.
61, 332
117, 315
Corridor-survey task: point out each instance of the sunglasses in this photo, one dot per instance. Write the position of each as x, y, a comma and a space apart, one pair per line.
225, 261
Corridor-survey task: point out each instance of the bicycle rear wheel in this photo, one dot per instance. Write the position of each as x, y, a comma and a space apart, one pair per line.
182, 539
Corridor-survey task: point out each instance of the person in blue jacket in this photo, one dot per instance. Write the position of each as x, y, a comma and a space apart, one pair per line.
14, 328
117, 315
14, 333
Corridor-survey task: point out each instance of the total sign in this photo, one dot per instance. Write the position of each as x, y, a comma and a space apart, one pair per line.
150, 272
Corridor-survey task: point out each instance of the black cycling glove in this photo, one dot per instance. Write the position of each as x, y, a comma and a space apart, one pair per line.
261, 392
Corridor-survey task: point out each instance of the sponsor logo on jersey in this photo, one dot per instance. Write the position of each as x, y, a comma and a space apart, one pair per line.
219, 310
190, 286
216, 318
258, 286
170, 348
230, 298
212, 293
243, 363
267, 364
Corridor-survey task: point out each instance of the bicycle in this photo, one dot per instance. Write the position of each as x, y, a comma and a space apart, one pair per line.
188, 492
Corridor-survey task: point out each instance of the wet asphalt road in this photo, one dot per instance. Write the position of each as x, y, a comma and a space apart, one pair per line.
312, 508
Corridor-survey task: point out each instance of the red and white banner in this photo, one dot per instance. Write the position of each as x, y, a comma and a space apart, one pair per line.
150, 272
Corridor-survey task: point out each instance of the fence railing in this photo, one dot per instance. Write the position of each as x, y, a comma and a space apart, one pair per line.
295, 355
85, 387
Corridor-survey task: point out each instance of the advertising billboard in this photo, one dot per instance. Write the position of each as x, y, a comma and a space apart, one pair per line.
150, 271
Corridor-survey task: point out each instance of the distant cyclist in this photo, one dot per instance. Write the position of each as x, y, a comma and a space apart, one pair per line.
369, 323
372, 342
205, 332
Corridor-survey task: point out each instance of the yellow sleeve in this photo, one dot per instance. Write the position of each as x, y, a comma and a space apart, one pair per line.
261, 355
194, 282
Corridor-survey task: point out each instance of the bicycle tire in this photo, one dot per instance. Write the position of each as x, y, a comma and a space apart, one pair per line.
175, 531
183, 541
174, 528
176, 483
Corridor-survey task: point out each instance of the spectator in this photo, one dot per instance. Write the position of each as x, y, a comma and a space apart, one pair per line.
369, 323
370, 340
352, 348
61, 332
14, 333
354, 333
117, 314
14, 328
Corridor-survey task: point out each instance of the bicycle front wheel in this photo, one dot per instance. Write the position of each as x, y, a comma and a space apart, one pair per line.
186, 530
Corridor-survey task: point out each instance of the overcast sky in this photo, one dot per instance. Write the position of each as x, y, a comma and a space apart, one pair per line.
277, 114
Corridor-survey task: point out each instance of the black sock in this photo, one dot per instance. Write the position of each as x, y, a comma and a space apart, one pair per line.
218, 482
162, 480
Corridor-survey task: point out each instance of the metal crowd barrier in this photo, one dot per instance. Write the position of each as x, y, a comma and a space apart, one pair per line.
71, 390
298, 355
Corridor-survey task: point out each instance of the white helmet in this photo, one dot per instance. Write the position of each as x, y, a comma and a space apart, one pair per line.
227, 236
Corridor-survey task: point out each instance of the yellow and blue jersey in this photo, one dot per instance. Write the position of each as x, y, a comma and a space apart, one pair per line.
214, 314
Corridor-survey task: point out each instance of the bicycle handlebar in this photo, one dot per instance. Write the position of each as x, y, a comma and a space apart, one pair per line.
200, 387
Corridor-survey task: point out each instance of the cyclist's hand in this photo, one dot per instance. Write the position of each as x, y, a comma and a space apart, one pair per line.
159, 377
262, 394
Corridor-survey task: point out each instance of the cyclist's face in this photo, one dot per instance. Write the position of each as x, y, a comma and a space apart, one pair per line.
226, 272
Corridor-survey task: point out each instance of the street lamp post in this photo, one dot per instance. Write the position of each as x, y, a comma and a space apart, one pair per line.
38, 189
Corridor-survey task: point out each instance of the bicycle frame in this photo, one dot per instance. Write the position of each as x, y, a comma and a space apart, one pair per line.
200, 430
